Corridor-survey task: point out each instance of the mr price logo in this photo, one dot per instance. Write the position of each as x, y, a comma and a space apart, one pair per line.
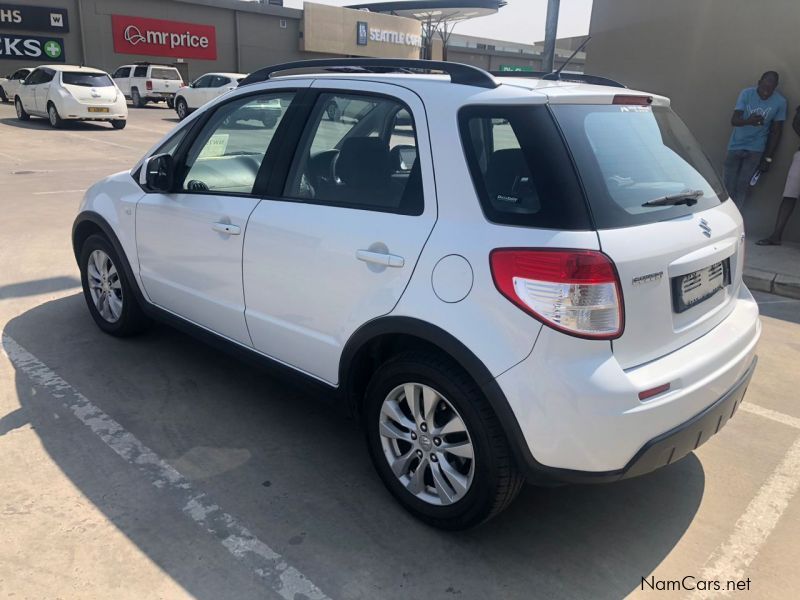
156, 37
134, 36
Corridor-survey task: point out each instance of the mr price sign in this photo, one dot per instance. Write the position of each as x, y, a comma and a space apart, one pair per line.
156, 37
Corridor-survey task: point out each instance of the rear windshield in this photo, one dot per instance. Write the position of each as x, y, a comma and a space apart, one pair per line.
160, 73
520, 167
630, 155
86, 79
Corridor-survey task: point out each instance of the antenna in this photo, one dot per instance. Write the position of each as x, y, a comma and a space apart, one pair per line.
556, 75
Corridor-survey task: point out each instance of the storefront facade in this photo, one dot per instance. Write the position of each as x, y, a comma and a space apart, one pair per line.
197, 36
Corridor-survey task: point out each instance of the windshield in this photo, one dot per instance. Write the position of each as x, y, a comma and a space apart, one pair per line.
628, 156
160, 73
86, 79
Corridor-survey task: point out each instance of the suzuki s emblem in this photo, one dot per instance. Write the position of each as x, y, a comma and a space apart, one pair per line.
705, 227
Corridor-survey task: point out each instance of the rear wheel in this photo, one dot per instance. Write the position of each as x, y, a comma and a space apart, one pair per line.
108, 292
52, 115
333, 111
436, 442
181, 108
137, 100
170, 103
3, 97
21, 114
119, 123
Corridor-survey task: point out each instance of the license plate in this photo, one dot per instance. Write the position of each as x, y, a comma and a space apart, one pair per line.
693, 288
102, 109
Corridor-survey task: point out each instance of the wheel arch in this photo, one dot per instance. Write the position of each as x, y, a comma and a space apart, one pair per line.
88, 223
385, 336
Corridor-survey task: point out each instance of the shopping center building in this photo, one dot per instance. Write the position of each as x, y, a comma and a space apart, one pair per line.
199, 36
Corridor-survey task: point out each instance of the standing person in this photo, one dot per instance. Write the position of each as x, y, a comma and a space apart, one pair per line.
757, 125
791, 192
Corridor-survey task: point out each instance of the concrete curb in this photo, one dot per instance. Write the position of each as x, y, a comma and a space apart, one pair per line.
775, 283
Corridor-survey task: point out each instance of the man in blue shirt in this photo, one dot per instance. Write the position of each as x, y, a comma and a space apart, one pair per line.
757, 125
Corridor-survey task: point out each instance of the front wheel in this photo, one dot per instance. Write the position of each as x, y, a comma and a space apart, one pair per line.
3, 97
181, 108
21, 114
436, 442
107, 290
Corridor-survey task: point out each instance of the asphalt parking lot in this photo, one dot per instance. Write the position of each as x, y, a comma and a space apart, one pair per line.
157, 467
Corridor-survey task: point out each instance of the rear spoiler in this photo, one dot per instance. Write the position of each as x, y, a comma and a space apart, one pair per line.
575, 77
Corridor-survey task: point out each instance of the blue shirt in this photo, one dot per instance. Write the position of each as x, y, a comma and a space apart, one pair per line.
752, 137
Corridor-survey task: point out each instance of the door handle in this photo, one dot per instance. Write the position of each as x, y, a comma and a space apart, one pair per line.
379, 258
227, 228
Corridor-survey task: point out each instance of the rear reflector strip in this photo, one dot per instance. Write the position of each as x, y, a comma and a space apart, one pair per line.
653, 391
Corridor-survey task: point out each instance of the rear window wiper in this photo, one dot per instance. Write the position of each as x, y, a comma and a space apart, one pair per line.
688, 197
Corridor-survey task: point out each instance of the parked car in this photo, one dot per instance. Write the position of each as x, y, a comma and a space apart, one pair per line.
145, 82
66, 92
561, 302
10, 84
204, 89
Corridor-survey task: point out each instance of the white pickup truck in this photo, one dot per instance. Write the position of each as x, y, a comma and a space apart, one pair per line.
146, 82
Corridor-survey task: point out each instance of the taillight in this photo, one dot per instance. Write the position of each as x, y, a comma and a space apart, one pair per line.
630, 99
574, 291
149, 85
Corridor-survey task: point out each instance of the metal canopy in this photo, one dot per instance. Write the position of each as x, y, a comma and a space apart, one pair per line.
436, 10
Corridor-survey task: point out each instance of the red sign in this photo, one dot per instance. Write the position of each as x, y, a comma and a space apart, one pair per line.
156, 37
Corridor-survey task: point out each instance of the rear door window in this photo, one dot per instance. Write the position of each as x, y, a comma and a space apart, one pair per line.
521, 169
630, 155
140, 71
358, 151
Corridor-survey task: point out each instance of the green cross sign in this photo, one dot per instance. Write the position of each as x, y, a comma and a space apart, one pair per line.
52, 49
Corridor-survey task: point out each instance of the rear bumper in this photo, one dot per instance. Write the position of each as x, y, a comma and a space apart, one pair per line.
73, 110
579, 418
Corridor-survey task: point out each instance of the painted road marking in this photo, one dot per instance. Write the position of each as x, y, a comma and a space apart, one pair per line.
57, 192
270, 566
752, 529
83, 137
768, 413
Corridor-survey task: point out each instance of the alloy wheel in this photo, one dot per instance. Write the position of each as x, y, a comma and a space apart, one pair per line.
104, 286
181, 109
53, 115
426, 443
18, 107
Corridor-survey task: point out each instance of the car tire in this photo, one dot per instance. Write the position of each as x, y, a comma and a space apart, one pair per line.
107, 290
453, 491
333, 111
3, 97
181, 108
136, 99
56, 122
119, 123
170, 103
21, 114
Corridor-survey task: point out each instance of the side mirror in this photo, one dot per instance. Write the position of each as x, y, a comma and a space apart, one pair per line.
159, 173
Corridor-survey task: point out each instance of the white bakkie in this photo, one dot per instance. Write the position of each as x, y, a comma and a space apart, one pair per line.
145, 82
562, 302
68, 93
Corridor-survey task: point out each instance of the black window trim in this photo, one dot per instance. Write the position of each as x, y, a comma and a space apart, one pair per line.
279, 178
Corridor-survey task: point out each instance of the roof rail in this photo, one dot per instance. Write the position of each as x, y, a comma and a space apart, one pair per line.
575, 77
459, 73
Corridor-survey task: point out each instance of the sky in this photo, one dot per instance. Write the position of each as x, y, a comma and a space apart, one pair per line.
520, 21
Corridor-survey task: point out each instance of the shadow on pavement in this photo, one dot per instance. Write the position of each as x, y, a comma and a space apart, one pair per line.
296, 472
68, 124
778, 307
38, 286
